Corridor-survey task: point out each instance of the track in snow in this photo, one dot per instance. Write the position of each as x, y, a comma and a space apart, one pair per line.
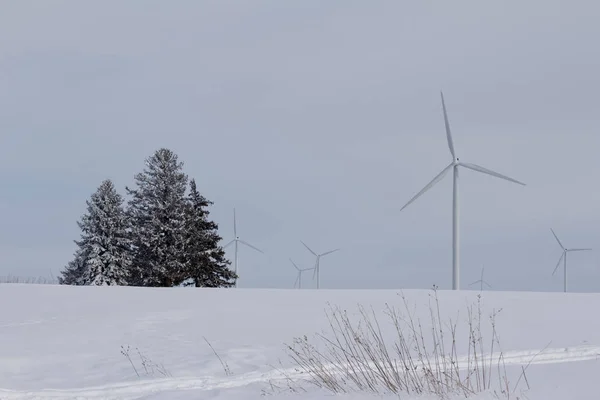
135, 390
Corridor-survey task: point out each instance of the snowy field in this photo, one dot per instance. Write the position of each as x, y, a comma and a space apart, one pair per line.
68, 342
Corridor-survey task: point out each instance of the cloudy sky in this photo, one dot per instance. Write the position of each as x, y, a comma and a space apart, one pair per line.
317, 121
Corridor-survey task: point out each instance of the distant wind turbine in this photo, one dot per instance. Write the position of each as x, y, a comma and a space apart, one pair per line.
481, 281
237, 240
563, 258
298, 280
455, 214
317, 268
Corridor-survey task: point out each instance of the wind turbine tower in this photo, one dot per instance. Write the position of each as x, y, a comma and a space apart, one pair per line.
236, 242
298, 280
454, 165
317, 267
563, 258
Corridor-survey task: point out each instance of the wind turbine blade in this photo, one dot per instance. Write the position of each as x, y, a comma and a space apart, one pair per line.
249, 245
558, 263
229, 244
556, 237
329, 252
471, 284
579, 249
315, 272
308, 248
294, 264
307, 269
448, 134
479, 168
234, 225
487, 284
296, 281
435, 180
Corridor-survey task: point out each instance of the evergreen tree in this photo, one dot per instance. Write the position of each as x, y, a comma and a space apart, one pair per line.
157, 213
104, 255
206, 264
73, 274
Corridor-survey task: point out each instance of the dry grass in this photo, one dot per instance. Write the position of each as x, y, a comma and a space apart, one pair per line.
40, 280
224, 364
413, 359
142, 365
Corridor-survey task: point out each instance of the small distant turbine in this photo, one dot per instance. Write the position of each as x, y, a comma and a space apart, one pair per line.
317, 267
454, 166
236, 241
563, 258
298, 280
481, 281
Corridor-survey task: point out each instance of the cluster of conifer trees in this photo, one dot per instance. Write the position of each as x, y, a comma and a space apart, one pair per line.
161, 237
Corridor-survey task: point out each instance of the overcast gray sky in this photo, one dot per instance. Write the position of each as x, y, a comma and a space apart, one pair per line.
317, 121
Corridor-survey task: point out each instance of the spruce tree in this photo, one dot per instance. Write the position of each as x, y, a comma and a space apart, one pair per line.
157, 214
104, 254
73, 274
206, 265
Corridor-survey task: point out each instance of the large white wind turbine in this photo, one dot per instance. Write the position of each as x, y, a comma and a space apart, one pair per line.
454, 166
563, 258
298, 280
235, 241
317, 267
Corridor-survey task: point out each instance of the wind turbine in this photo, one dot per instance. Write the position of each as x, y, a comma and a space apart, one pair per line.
455, 222
316, 267
236, 241
481, 281
563, 258
300, 271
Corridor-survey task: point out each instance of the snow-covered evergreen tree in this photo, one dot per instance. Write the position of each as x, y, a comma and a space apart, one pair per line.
157, 213
73, 274
206, 265
105, 254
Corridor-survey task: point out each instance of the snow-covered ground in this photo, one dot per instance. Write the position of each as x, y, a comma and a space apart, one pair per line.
66, 342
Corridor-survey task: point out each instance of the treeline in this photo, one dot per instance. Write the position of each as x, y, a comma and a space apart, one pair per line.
162, 237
